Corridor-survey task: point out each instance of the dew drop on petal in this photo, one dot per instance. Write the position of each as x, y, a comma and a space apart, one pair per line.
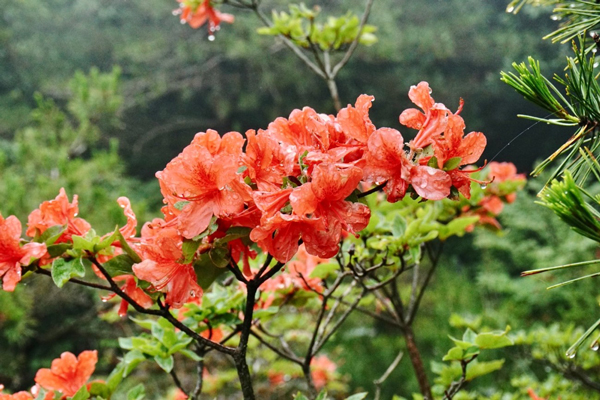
424, 185
483, 186
104, 300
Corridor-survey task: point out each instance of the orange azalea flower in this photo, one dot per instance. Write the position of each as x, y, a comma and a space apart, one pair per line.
504, 171
129, 230
16, 396
324, 197
322, 371
355, 121
205, 175
12, 254
197, 15
386, 161
430, 123
58, 212
265, 160
468, 148
533, 396
161, 254
68, 373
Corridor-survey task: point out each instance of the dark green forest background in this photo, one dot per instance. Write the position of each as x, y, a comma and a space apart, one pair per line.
175, 82
146, 84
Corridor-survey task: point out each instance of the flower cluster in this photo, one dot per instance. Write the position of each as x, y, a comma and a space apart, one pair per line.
295, 180
503, 183
67, 375
298, 181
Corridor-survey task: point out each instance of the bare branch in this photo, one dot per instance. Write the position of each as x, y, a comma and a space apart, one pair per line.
386, 374
356, 40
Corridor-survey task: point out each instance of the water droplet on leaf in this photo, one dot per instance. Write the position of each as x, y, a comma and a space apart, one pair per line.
211, 38
571, 354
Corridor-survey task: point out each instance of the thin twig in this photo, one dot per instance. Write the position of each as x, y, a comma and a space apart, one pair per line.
277, 351
386, 374
291, 45
41, 271
339, 322
414, 306
356, 40
177, 381
373, 190
162, 312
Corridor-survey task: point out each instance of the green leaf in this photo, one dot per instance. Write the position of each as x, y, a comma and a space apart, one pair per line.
323, 270
125, 343
188, 250
144, 323
180, 205
57, 250
433, 162
493, 340
80, 243
52, 234
116, 376
41, 394
476, 369
454, 354
137, 392
207, 271
237, 232
469, 336
358, 396
399, 226
322, 396
452, 163
300, 396
119, 265
82, 394
100, 389
190, 354
63, 270
125, 246
166, 363
107, 241
266, 312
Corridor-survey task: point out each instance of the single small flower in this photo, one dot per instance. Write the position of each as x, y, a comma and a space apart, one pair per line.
196, 15
430, 123
322, 371
160, 266
12, 254
68, 373
204, 177
58, 212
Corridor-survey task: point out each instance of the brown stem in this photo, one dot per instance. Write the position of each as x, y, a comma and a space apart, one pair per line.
239, 356
417, 362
